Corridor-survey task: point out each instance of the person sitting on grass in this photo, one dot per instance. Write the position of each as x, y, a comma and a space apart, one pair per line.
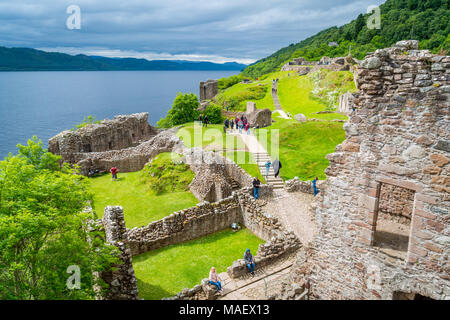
215, 280
249, 261
114, 173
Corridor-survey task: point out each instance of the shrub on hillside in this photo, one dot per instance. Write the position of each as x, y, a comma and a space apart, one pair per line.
225, 83
214, 113
166, 173
184, 109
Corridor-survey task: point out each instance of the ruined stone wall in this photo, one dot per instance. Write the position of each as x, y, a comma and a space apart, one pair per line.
208, 89
184, 225
296, 184
122, 282
256, 219
122, 132
398, 136
396, 200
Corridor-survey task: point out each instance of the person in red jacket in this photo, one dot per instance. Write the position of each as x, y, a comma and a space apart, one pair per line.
114, 173
247, 128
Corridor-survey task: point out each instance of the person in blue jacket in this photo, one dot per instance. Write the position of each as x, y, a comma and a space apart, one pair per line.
315, 186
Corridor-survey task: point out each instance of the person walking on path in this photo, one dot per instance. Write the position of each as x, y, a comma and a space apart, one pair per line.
276, 167
267, 165
215, 280
249, 261
256, 183
315, 186
113, 171
205, 121
200, 119
247, 128
232, 124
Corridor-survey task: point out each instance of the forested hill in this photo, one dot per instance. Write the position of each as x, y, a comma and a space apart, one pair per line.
424, 20
24, 59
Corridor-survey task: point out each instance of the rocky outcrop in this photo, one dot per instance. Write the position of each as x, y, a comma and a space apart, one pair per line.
300, 117
257, 118
394, 158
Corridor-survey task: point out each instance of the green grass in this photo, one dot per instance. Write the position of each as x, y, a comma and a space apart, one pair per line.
139, 204
165, 272
295, 97
214, 139
241, 92
246, 161
303, 146
211, 138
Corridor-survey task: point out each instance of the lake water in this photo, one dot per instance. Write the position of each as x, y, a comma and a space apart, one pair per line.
46, 103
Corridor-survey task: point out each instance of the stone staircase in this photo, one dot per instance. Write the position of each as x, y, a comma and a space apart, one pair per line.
234, 185
261, 158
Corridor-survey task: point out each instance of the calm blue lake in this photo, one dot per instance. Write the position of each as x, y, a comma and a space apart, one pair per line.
46, 103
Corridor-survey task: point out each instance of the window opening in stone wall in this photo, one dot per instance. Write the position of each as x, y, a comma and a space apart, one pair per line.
395, 206
399, 295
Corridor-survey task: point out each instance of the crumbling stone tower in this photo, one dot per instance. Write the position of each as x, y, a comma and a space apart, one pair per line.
383, 213
208, 89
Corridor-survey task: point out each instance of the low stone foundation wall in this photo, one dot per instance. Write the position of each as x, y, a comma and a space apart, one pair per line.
267, 253
184, 225
122, 281
296, 184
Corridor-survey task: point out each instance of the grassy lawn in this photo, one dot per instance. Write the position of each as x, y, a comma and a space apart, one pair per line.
212, 138
242, 92
295, 97
140, 205
303, 146
165, 272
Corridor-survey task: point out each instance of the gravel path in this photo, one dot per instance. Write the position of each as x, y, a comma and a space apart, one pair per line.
292, 208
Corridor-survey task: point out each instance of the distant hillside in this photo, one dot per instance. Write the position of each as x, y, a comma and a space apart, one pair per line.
24, 59
427, 21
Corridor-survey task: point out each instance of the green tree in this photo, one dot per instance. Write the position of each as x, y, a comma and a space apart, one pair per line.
43, 230
36, 155
214, 114
184, 109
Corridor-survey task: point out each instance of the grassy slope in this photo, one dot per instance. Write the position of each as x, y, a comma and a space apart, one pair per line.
213, 138
166, 271
238, 89
140, 205
303, 146
295, 97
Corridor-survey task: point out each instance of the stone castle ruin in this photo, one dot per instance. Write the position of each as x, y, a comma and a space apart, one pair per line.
382, 214
208, 89
383, 211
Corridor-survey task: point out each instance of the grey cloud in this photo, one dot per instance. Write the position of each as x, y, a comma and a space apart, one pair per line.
215, 29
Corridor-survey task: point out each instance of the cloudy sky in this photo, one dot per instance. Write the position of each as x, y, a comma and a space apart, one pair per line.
208, 30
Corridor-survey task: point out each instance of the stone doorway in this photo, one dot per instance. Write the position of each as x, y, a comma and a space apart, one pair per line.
393, 222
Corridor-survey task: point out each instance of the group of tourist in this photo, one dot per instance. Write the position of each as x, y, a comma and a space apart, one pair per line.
240, 123
249, 262
203, 120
